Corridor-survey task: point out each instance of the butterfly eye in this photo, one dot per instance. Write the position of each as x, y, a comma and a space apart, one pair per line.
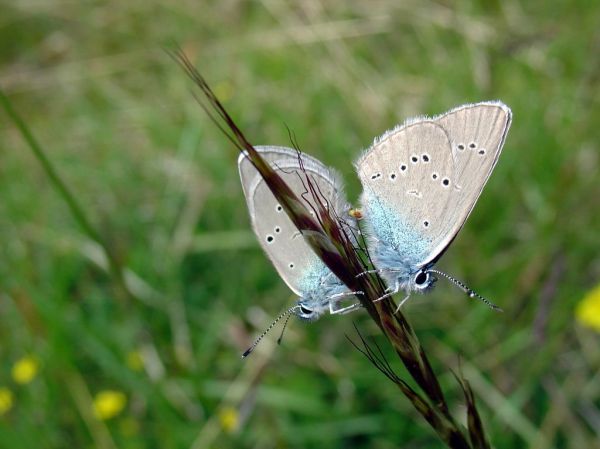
305, 310
421, 278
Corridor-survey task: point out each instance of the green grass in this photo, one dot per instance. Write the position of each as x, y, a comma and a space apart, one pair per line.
158, 182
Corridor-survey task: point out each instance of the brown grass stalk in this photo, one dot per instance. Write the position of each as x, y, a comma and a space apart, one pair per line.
329, 241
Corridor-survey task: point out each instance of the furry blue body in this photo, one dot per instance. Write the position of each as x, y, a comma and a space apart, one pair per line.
317, 285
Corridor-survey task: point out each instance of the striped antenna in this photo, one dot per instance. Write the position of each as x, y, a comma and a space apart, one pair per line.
287, 314
470, 293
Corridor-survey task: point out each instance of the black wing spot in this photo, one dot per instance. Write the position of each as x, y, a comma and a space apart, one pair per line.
460, 146
414, 159
446, 182
277, 229
403, 167
425, 158
472, 145
481, 152
392, 176
434, 176
270, 238
376, 175
426, 223
278, 208
291, 265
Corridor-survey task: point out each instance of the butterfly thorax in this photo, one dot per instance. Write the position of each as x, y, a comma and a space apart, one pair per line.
319, 284
399, 273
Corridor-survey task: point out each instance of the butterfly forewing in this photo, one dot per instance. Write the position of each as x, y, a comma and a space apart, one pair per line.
292, 257
477, 133
408, 179
270, 154
444, 163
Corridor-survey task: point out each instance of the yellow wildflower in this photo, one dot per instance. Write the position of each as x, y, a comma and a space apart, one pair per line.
588, 309
109, 403
229, 419
6, 400
135, 362
25, 370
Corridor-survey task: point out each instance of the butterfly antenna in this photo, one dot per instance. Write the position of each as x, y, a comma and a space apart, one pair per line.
470, 293
287, 313
285, 323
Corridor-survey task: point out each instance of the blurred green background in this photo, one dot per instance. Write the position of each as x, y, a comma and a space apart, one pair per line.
84, 365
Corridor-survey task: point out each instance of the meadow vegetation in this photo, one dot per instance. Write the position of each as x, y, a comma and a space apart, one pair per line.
151, 357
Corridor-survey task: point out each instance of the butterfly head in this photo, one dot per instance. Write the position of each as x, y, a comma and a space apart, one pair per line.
408, 279
309, 309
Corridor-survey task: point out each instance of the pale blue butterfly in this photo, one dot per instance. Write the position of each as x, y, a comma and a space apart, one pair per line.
420, 182
319, 290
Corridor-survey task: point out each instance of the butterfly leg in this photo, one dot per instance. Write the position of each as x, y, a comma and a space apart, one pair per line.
401, 303
335, 303
364, 273
344, 294
379, 270
343, 310
391, 291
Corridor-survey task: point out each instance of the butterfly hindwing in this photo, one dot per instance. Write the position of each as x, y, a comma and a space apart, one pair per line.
294, 260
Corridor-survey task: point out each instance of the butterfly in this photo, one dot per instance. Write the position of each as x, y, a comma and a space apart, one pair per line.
420, 182
318, 288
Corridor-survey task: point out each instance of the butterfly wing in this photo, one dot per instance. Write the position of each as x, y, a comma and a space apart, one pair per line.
443, 164
407, 178
293, 258
477, 132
